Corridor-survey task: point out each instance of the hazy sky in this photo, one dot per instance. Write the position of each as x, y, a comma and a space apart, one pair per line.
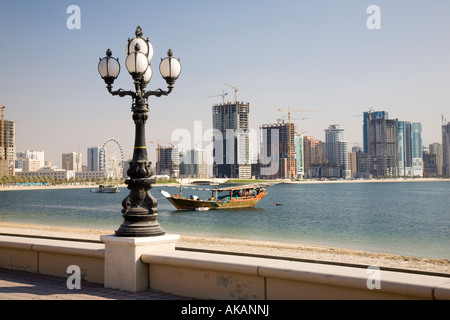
314, 55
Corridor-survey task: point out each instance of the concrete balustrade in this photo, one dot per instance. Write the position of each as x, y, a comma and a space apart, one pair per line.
52, 257
206, 275
135, 264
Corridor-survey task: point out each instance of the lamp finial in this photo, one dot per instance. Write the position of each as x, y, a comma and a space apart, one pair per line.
138, 32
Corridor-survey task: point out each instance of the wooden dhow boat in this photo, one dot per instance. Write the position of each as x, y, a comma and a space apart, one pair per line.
221, 198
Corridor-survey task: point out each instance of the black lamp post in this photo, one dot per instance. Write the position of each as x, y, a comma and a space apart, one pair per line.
139, 207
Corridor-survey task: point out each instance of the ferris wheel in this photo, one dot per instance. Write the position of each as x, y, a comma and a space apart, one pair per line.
112, 158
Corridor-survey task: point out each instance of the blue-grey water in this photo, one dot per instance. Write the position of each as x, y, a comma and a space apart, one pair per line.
408, 218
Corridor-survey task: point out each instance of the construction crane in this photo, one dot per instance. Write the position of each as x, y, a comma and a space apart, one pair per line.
282, 120
299, 119
3, 139
220, 95
158, 163
157, 152
158, 148
289, 110
291, 152
235, 91
159, 143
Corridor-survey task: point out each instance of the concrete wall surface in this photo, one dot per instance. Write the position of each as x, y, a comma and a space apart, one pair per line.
52, 257
219, 276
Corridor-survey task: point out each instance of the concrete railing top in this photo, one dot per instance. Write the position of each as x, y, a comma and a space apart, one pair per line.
55, 246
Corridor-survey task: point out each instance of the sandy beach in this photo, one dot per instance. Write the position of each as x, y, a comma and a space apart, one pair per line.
255, 247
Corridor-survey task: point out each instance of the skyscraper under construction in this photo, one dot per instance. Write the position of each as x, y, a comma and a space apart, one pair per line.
278, 137
231, 140
446, 149
8, 147
394, 147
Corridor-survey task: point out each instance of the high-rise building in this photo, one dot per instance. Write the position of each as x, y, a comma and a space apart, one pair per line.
280, 135
232, 148
404, 148
95, 159
436, 149
168, 161
312, 156
409, 144
446, 150
299, 156
381, 143
30, 160
416, 150
393, 147
353, 163
193, 164
72, 161
336, 153
368, 116
429, 164
8, 149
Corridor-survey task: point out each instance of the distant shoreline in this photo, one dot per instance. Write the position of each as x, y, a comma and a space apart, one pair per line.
86, 186
59, 186
372, 180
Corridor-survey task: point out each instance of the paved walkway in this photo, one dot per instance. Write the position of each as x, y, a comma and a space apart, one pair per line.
18, 285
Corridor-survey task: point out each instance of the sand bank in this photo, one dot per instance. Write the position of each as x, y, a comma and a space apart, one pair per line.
268, 248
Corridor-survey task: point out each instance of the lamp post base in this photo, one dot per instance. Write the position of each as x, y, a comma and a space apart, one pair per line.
139, 211
140, 226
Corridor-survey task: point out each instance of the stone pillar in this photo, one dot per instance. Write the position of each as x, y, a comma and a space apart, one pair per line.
124, 269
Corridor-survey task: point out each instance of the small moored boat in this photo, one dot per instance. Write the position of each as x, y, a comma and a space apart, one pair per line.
106, 189
221, 198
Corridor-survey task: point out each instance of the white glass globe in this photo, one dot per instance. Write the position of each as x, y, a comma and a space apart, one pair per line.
109, 67
136, 63
148, 74
145, 47
170, 68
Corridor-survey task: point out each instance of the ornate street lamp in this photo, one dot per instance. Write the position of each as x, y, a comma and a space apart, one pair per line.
139, 207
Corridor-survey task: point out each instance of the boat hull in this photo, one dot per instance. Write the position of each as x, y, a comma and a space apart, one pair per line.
105, 189
182, 203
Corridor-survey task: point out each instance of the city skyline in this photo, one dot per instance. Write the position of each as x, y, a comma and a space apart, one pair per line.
400, 153
289, 53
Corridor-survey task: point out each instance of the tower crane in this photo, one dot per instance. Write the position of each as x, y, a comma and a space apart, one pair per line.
220, 95
164, 142
157, 152
158, 148
300, 119
291, 152
158, 155
235, 91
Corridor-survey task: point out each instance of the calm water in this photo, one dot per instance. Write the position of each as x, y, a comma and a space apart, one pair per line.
409, 218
